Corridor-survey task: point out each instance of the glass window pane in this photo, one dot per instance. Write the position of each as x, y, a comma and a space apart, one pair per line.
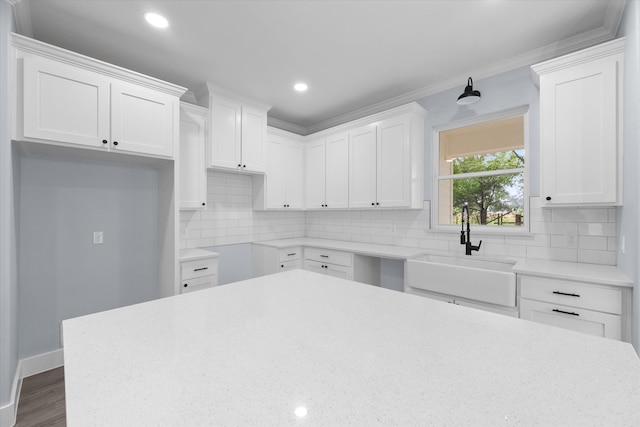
493, 200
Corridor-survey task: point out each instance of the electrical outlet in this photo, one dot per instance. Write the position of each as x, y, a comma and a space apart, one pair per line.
98, 237
572, 240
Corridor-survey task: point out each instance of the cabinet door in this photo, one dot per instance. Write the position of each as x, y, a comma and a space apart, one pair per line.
579, 131
337, 167
362, 167
65, 104
254, 139
224, 134
315, 168
294, 167
394, 164
142, 120
339, 271
276, 175
193, 170
315, 266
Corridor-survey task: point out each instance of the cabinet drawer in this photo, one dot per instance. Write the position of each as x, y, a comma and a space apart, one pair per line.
329, 256
576, 319
199, 283
199, 268
573, 294
289, 254
289, 265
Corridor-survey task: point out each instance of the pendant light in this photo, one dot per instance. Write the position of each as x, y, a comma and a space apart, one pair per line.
469, 96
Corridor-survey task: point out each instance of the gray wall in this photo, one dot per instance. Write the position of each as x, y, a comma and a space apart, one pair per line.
62, 273
500, 92
628, 215
8, 246
234, 262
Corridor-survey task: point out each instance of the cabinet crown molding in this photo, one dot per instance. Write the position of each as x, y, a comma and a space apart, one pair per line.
602, 50
210, 89
28, 45
410, 108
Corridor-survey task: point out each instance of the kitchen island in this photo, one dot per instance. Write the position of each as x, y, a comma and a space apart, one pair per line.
302, 348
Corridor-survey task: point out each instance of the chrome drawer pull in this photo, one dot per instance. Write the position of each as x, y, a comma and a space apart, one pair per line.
291, 254
200, 269
563, 293
565, 312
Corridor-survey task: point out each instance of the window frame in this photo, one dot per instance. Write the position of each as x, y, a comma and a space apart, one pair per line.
436, 177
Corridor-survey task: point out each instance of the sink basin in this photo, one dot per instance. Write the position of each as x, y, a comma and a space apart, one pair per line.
479, 279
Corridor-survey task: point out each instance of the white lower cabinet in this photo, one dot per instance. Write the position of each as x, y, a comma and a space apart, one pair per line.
331, 262
197, 274
583, 307
270, 260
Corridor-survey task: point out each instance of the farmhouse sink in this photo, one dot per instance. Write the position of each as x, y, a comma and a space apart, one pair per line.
479, 279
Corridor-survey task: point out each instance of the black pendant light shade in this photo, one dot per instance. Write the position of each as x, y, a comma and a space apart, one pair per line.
469, 96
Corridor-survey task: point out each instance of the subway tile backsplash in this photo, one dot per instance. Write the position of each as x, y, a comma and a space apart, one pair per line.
564, 234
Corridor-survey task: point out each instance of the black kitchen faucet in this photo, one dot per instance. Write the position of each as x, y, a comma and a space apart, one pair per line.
466, 240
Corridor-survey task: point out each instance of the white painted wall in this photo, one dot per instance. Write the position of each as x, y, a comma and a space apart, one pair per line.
8, 240
62, 273
629, 214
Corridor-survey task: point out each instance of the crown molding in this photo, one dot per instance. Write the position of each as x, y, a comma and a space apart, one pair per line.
22, 16
286, 126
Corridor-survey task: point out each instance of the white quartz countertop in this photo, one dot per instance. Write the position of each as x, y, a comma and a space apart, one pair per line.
254, 352
604, 274
381, 251
195, 254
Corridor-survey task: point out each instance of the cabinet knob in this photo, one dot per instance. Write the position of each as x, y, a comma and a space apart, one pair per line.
239, 165
104, 141
377, 204
244, 166
548, 197
204, 204
281, 265
186, 284
115, 142
373, 204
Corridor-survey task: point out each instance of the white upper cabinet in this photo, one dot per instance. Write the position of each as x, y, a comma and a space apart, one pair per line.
67, 99
580, 126
238, 136
362, 167
385, 162
193, 170
282, 187
327, 167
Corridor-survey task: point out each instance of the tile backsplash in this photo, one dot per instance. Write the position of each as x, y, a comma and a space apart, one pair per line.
564, 234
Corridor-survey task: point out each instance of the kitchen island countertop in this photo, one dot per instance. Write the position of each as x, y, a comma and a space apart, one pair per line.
256, 352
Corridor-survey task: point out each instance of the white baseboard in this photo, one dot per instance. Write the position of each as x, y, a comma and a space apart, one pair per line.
42, 363
27, 367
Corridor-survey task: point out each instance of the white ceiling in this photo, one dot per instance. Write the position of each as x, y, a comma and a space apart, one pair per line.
358, 57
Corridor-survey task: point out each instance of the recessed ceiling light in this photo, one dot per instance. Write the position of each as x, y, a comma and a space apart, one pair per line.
300, 87
156, 20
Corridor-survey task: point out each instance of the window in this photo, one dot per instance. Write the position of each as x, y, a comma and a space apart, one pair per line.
483, 164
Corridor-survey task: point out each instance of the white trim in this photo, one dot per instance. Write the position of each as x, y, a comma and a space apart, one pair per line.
9, 411
499, 115
42, 363
26, 368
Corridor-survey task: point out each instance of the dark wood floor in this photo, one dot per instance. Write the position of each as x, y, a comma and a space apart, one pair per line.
42, 400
